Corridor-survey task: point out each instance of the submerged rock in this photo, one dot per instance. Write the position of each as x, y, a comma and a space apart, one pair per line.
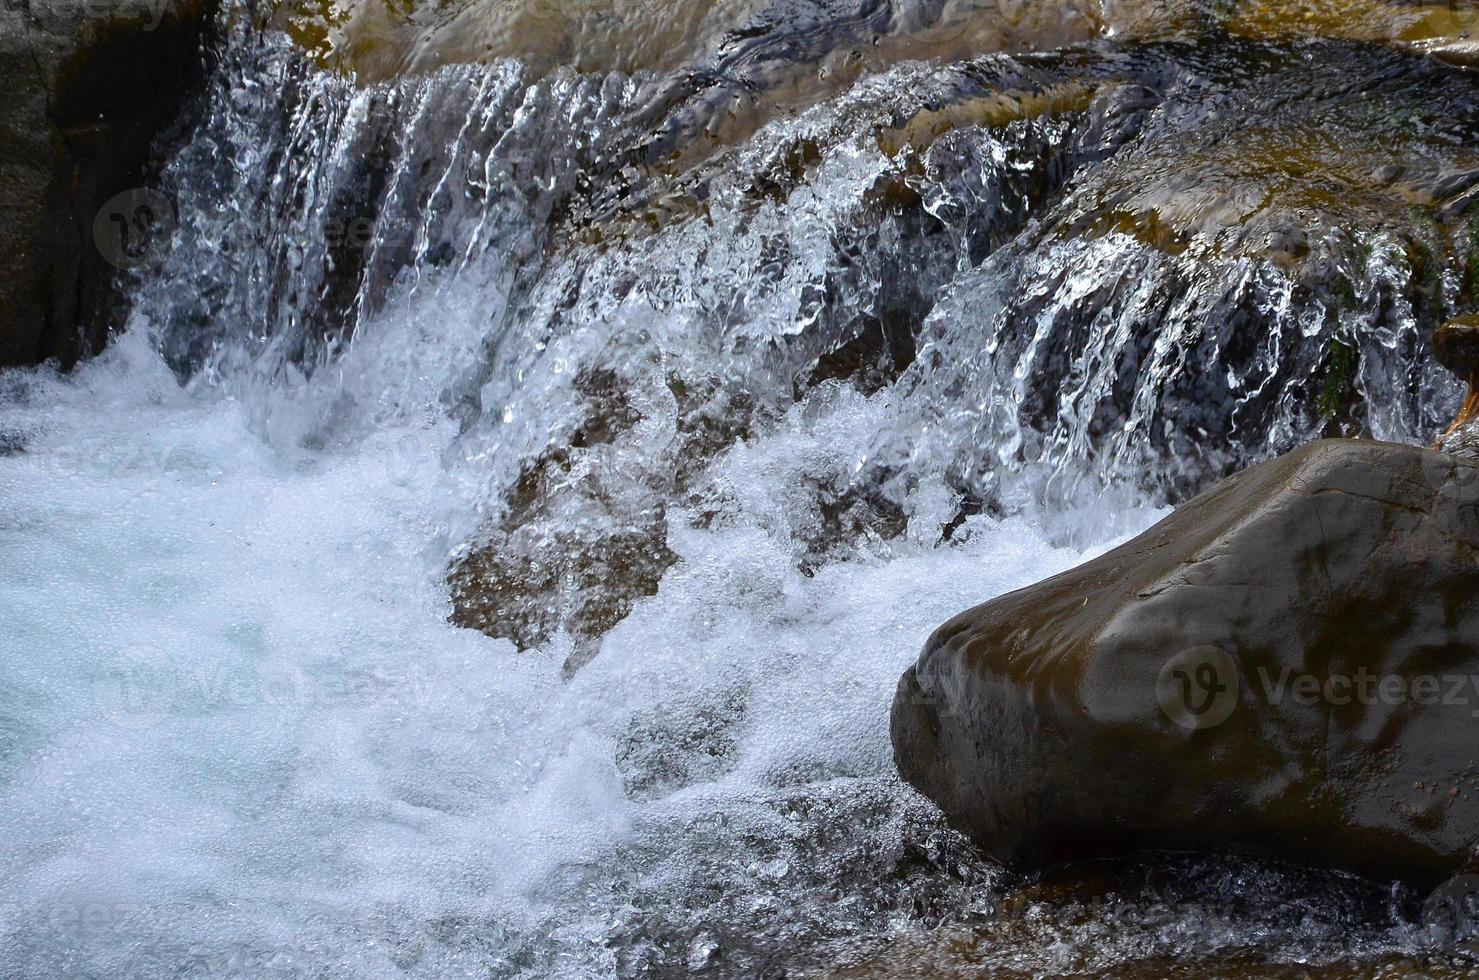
1289, 663
571, 552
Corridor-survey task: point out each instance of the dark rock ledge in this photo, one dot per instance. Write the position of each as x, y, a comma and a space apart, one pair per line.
89, 86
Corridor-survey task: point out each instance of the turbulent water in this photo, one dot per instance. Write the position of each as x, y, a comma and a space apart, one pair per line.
702, 401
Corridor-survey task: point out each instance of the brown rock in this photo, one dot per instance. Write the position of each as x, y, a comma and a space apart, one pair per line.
89, 85
1273, 667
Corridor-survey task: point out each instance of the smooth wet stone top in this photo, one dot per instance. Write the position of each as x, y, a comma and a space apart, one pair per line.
1288, 663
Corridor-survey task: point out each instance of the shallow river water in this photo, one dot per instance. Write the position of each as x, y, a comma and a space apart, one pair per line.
490, 544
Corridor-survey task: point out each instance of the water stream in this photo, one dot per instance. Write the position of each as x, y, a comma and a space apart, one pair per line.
491, 542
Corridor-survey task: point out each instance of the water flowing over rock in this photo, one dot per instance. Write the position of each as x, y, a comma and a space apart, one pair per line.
1456, 347
700, 361
1032, 267
1286, 663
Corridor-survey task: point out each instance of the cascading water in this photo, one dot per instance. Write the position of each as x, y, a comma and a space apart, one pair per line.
706, 429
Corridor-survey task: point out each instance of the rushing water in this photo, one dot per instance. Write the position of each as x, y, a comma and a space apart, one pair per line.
705, 413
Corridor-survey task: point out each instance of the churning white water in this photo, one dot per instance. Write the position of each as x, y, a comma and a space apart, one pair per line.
241, 736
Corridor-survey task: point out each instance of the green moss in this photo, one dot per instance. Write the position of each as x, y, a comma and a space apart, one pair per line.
1339, 392
1426, 261
1471, 275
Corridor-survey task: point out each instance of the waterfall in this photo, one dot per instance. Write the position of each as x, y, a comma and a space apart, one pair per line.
974, 243
701, 402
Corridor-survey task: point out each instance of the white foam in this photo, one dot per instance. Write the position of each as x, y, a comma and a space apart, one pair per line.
238, 727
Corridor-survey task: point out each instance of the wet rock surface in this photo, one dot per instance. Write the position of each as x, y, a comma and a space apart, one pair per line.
1288, 663
1456, 347
771, 304
1253, 918
88, 88
1166, 294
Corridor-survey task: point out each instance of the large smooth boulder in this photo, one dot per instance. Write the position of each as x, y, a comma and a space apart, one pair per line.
1289, 663
89, 86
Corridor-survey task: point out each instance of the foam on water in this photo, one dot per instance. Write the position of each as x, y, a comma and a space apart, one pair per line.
240, 735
